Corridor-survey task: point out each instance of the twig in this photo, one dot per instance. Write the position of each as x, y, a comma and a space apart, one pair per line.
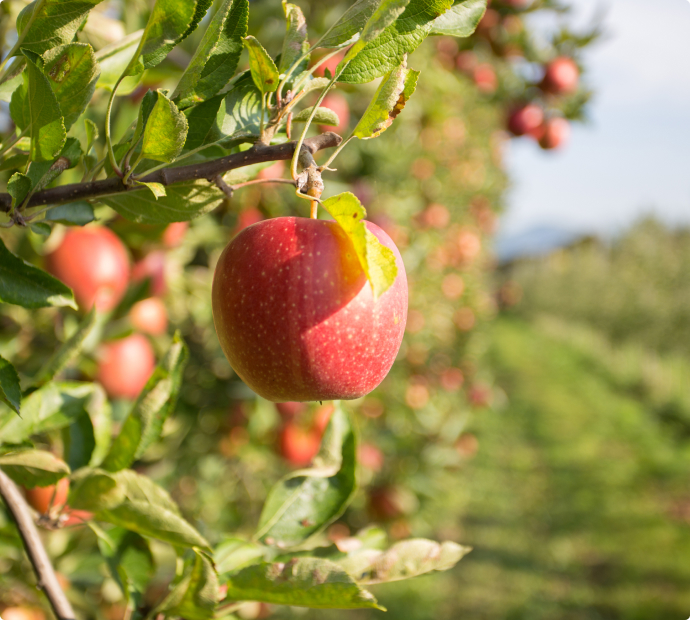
45, 573
169, 176
259, 181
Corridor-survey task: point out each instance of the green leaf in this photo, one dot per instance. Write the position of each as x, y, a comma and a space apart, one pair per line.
386, 51
40, 228
263, 69
9, 86
155, 403
91, 134
25, 285
350, 23
77, 213
68, 350
114, 59
49, 408
14, 162
404, 560
183, 202
383, 16
461, 19
323, 116
201, 121
94, 490
234, 553
216, 58
165, 131
239, 115
78, 442
129, 560
45, 172
41, 114
33, 468
73, 72
195, 594
169, 23
140, 488
10, 390
157, 189
295, 43
55, 22
306, 501
301, 582
18, 187
378, 261
391, 96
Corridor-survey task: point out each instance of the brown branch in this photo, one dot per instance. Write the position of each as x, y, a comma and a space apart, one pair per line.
168, 176
45, 573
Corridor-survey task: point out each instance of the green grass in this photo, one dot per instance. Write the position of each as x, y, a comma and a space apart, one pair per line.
571, 503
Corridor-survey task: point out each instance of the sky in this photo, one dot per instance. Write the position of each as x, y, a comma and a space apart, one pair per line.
633, 157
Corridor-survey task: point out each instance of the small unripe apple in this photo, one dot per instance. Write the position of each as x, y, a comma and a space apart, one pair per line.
42, 499
125, 366
149, 316
299, 445
296, 316
525, 120
339, 105
152, 266
94, 263
554, 133
561, 76
174, 233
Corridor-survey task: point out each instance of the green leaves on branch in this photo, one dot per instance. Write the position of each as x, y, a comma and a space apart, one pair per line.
33, 468
295, 43
374, 56
51, 22
10, 390
301, 582
18, 187
461, 19
263, 70
378, 261
157, 400
164, 129
306, 501
350, 23
35, 110
25, 285
216, 58
391, 96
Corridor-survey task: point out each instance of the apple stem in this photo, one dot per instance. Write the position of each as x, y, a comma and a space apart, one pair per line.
38, 556
314, 210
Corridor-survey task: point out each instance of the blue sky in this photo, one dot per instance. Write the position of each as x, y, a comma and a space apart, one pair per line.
634, 156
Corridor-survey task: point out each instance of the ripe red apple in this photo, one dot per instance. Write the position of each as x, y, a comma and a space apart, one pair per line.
42, 499
174, 233
337, 103
525, 119
149, 316
561, 76
553, 133
152, 266
296, 316
94, 263
125, 366
299, 445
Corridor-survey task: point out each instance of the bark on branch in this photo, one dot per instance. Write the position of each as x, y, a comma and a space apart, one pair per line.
208, 170
45, 573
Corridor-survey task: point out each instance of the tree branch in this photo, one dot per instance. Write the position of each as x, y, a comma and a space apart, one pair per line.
45, 573
168, 176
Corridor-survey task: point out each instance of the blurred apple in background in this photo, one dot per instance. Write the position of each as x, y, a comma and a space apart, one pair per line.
152, 266
149, 316
125, 365
561, 76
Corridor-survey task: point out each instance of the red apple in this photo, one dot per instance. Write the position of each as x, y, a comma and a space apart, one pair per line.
22, 613
322, 416
299, 445
296, 316
174, 233
561, 76
275, 170
525, 120
337, 103
152, 266
94, 263
149, 316
125, 366
42, 499
553, 133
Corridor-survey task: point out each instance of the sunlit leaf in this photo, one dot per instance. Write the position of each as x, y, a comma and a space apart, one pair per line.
295, 42
263, 69
165, 131
461, 19
323, 116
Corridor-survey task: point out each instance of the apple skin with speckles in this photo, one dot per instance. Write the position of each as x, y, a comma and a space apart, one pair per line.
296, 316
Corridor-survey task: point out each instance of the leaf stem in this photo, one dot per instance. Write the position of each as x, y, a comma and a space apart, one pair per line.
337, 150
108, 141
